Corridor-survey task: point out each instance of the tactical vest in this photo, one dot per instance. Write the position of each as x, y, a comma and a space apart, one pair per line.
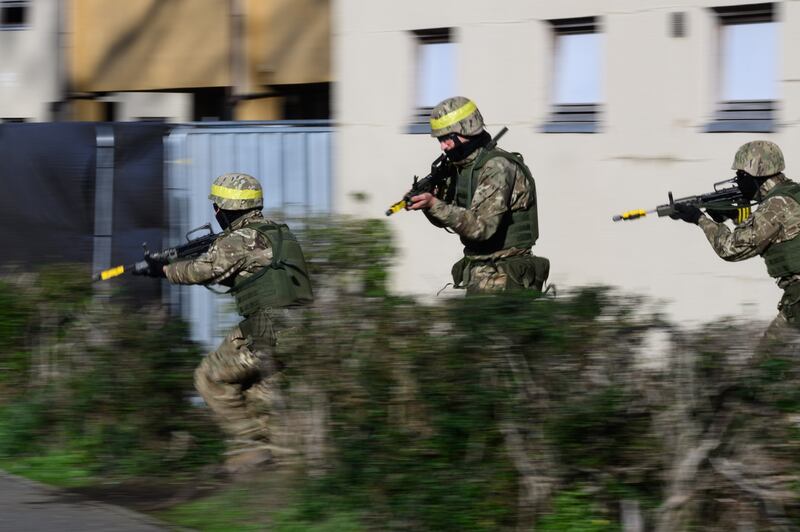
283, 283
783, 259
518, 229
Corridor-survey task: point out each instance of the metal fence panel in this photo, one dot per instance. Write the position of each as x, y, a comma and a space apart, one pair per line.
293, 163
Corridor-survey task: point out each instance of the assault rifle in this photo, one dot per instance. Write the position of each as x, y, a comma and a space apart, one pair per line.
440, 169
725, 202
192, 248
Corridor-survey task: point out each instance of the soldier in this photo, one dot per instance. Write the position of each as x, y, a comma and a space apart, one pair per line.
263, 265
489, 201
772, 230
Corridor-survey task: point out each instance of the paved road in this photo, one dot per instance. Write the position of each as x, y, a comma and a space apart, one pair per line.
26, 506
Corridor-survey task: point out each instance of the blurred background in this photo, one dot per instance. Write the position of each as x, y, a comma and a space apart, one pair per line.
612, 106
115, 117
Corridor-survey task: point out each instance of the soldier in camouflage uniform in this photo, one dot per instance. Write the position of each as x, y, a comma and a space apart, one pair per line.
772, 230
262, 264
489, 201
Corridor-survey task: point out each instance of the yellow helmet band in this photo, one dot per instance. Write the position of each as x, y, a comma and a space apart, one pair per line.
234, 194
454, 116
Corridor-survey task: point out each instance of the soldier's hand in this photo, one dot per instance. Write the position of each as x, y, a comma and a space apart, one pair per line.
155, 268
687, 213
422, 201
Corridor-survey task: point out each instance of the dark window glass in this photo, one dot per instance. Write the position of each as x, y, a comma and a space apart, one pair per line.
13, 14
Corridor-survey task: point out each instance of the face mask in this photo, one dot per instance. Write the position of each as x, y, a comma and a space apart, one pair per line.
222, 220
462, 150
748, 185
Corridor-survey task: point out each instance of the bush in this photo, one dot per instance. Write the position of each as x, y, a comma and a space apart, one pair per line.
97, 381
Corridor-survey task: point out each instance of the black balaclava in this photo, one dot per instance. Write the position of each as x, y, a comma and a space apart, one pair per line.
226, 217
462, 150
748, 184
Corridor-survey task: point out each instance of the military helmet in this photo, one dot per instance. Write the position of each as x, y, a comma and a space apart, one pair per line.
759, 158
236, 192
456, 115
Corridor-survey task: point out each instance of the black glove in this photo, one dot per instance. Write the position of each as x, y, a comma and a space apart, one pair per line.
687, 213
149, 267
155, 267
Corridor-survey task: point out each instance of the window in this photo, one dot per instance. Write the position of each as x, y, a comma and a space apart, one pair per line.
677, 24
748, 82
13, 14
576, 76
306, 101
435, 74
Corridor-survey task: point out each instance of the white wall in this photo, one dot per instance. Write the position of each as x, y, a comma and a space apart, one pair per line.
659, 93
29, 65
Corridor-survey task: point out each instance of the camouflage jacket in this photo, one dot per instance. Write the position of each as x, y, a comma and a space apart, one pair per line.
500, 187
775, 220
238, 252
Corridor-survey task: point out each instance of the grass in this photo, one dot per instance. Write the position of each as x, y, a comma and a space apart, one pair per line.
62, 469
231, 510
266, 502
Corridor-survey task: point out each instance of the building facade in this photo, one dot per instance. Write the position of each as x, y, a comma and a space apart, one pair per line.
31, 64
168, 60
612, 104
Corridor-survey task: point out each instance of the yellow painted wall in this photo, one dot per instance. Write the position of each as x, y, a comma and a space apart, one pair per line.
287, 42
260, 109
87, 111
124, 45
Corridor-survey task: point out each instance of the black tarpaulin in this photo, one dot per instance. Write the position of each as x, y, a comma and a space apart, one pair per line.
48, 173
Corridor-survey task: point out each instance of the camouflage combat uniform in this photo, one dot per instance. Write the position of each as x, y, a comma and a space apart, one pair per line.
501, 188
489, 201
775, 221
238, 379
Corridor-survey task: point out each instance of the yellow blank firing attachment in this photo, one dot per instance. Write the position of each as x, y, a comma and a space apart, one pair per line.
397, 207
112, 272
630, 215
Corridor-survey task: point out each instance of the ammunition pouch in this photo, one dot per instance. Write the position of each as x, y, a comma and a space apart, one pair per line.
789, 304
522, 271
457, 271
525, 271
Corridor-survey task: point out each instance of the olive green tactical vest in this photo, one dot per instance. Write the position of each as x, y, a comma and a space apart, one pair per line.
283, 283
518, 229
783, 259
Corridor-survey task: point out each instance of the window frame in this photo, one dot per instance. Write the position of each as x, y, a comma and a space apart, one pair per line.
25, 5
742, 116
571, 117
419, 122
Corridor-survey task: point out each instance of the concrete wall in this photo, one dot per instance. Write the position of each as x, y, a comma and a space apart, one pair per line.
659, 92
29, 65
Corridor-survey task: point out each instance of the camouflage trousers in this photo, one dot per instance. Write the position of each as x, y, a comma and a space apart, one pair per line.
240, 382
518, 272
